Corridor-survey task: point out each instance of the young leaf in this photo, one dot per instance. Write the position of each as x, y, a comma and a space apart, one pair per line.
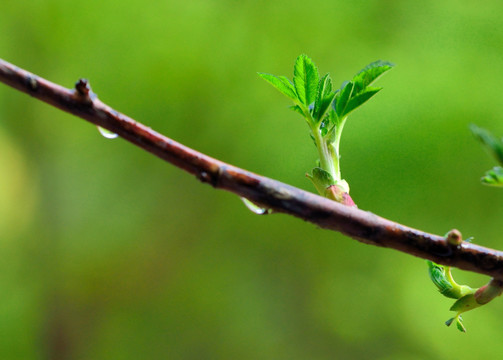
437, 275
305, 78
321, 179
493, 177
343, 97
332, 117
494, 144
358, 100
466, 303
370, 73
330, 134
459, 324
324, 87
281, 83
445, 283
324, 97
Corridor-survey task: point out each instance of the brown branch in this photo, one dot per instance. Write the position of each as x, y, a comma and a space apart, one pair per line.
358, 224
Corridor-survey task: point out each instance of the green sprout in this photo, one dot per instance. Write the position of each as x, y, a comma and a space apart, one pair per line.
443, 280
466, 297
326, 111
493, 177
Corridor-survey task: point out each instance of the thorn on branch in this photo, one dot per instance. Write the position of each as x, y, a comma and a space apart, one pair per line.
208, 178
82, 86
83, 91
32, 82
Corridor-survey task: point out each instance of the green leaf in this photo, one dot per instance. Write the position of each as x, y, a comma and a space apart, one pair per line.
459, 324
356, 92
343, 97
358, 100
466, 303
321, 179
330, 135
449, 322
370, 74
324, 97
437, 275
332, 116
445, 284
281, 83
493, 143
305, 78
493, 177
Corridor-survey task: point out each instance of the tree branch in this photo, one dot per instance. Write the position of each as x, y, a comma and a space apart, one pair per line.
358, 224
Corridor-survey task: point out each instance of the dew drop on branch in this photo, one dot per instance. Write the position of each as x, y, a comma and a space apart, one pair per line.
106, 133
255, 208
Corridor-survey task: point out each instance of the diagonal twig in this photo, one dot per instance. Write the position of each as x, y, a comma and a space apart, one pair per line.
361, 225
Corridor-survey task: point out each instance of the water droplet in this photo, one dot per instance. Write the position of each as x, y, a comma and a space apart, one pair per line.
106, 133
255, 208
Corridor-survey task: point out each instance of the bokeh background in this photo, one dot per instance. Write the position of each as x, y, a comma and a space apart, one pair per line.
106, 252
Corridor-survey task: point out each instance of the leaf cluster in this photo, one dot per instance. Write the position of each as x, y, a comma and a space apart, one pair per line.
493, 177
317, 100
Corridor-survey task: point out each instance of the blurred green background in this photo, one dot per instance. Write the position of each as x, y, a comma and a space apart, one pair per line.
106, 252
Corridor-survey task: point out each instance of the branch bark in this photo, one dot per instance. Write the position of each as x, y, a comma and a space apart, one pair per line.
361, 225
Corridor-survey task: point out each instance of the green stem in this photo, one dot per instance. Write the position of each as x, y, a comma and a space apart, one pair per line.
326, 158
449, 277
335, 148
